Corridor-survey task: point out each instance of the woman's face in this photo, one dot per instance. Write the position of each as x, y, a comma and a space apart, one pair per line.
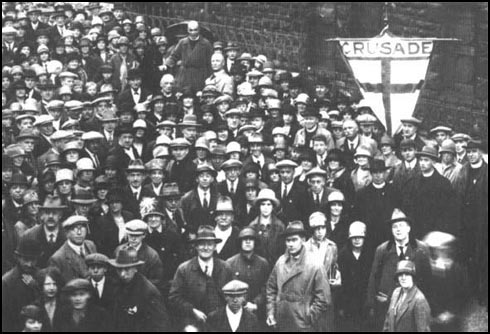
50, 289
49, 187
33, 208
320, 232
72, 156
266, 208
405, 280
79, 299
336, 209
208, 118
334, 165
64, 187
102, 194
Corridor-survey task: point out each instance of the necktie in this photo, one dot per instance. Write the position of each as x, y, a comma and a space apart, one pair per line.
352, 147
97, 289
96, 161
206, 269
232, 189
317, 199
285, 192
135, 92
402, 254
205, 201
135, 194
173, 216
51, 239
110, 139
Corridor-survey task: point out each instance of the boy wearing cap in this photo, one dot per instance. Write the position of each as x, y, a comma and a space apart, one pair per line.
430, 199
33, 318
103, 286
196, 288
298, 293
233, 317
70, 258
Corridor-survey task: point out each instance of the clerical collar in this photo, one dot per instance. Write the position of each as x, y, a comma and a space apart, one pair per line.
477, 165
312, 130
379, 186
429, 174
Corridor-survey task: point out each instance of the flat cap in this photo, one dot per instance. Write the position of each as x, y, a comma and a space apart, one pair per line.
235, 287
75, 220
136, 227
96, 258
286, 163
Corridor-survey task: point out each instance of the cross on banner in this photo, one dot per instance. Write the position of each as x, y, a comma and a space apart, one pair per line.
390, 72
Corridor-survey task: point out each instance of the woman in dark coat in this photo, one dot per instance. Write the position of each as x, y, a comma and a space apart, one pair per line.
80, 315
337, 220
50, 282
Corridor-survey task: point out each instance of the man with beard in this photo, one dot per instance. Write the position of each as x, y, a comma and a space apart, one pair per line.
138, 304
18, 285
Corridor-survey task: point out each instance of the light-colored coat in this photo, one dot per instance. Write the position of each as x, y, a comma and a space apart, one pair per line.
413, 315
300, 138
298, 293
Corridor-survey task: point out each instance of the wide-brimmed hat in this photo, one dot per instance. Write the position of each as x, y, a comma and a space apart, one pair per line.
126, 257
28, 247
428, 151
206, 233
189, 121
170, 190
295, 228
448, 146
405, 267
267, 195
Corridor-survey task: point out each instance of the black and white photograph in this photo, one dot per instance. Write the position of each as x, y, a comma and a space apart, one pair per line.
244, 167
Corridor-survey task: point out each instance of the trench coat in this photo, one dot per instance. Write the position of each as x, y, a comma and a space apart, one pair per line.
298, 293
413, 315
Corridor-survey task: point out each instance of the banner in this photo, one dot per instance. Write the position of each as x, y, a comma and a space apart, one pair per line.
390, 72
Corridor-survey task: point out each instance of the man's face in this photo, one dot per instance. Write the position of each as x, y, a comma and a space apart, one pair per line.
156, 176
258, 122
64, 187
232, 54
50, 218
350, 129
386, 150
97, 271
441, 136
27, 264
135, 179
126, 140
317, 183
320, 90
319, 147
447, 158
205, 249
426, 164
28, 144
408, 153
167, 85
83, 209
256, 149
474, 155
287, 175
86, 175
362, 160
236, 302
248, 245
379, 177
109, 126
34, 17
135, 83
190, 133
126, 275
193, 30
224, 219
400, 230
180, 153
233, 121
319, 233
217, 62
367, 129
232, 173
77, 233
311, 122
25, 123
294, 244
172, 203
154, 221
408, 129
337, 133
251, 194
30, 82
135, 240
205, 179
16, 191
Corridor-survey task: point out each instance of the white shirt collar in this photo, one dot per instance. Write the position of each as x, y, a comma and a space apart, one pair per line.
48, 233
232, 183
203, 193
430, 173
259, 160
75, 248
157, 189
209, 264
100, 284
379, 186
411, 164
159, 229
355, 141
320, 195
223, 235
234, 319
136, 190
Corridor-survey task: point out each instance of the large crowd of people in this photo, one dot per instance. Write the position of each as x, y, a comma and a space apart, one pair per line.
197, 187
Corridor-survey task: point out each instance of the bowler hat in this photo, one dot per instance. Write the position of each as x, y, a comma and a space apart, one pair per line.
28, 247
126, 257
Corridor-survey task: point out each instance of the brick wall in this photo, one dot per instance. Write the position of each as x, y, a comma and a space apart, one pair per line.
456, 90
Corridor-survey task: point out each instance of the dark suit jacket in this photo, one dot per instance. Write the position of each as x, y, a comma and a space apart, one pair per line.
182, 172
108, 294
218, 322
106, 232
239, 192
38, 234
195, 214
191, 288
125, 99
96, 319
122, 158
311, 206
70, 264
130, 203
293, 205
42, 146
231, 246
267, 161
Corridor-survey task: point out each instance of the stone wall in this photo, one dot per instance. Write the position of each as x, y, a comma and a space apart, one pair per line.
456, 90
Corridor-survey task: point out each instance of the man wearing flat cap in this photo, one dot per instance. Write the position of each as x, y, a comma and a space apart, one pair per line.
233, 317
196, 288
138, 304
298, 292
70, 258
103, 285
430, 200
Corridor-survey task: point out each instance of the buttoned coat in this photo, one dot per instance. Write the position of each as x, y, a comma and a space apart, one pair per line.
297, 294
190, 284
70, 264
195, 214
139, 307
218, 322
38, 234
292, 207
271, 243
413, 315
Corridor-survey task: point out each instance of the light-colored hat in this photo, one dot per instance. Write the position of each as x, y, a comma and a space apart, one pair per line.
180, 142
92, 135
245, 89
411, 120
363, 151
460, 137
279, 130
235, 287
233, 147
85, 164
224, 204
202, 142
317, 219
448, 146
302, 98
139, 124
316, 171
233, 112
357, 229
61, 134
336, 196
286, 163
136, 166
74, 105
75, 220
274, 104
267, 195
136, 227
155, 164
231, 163
441, 128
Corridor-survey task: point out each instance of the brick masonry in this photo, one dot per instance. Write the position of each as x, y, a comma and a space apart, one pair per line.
456, 89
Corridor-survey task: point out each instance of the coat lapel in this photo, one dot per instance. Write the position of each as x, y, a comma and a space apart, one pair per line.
405, 304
